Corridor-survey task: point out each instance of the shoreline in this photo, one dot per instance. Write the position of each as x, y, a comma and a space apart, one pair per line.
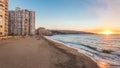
70, 47
70, 50
100, 62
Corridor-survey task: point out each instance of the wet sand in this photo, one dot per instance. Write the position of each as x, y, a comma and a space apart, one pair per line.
33, 53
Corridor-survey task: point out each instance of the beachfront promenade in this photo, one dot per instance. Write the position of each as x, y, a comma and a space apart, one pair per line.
32, 53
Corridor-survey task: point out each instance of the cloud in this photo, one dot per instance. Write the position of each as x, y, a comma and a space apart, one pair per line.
108, 12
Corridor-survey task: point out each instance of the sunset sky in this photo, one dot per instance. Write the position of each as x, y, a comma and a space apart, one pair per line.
89, 15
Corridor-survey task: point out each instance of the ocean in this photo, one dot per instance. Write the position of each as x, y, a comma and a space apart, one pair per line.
103, 49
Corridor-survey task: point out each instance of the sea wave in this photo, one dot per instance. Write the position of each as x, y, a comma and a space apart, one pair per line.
93, 48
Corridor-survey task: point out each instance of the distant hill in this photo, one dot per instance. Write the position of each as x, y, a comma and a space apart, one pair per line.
69, 32
48, 32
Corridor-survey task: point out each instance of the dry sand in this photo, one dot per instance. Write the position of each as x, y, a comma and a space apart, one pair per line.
32, 53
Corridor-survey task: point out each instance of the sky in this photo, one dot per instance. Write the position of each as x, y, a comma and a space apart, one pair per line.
81, 15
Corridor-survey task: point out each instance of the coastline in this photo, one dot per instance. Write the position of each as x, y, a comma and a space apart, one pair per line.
66, 49
30, 52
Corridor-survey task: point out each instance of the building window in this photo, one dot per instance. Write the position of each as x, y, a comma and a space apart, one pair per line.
1, 26
0, 33
1, 5
1, 15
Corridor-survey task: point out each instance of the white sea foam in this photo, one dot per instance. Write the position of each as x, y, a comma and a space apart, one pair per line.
94, 46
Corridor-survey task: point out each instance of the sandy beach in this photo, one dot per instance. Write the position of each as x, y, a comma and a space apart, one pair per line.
33, 53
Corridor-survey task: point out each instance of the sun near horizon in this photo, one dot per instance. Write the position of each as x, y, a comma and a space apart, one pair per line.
104, 31
107, 32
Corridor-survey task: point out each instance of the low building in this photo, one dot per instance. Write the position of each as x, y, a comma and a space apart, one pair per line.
21, 22
43, 31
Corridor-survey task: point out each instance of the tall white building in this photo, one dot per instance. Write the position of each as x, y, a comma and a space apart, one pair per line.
21, 22
3, 17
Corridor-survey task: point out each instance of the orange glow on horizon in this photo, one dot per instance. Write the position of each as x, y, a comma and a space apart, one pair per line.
107, 32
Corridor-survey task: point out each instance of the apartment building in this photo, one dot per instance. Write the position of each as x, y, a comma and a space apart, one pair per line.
21, 22
3, 17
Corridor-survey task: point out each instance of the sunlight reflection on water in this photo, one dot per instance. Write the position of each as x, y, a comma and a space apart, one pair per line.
105, 49
102, 64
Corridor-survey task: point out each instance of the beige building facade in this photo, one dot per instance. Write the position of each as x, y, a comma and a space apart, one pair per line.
3, 17
21, 22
